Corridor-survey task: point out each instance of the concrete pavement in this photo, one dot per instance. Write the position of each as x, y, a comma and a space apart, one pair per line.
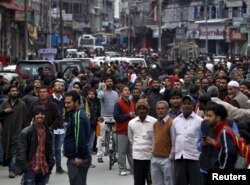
100, 175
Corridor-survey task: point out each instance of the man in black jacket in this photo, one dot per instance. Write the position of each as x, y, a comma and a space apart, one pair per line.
76, 140
34, 150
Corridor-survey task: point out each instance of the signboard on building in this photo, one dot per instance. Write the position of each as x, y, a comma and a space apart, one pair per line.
214, 31
19, 15
80, 25
67, 23
236, 35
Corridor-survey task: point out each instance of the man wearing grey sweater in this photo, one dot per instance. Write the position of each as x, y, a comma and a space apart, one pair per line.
108, 97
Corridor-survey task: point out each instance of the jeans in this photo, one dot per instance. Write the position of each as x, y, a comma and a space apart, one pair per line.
78, 174
12, 164
31, 178
58, 141
91, 140
161, 171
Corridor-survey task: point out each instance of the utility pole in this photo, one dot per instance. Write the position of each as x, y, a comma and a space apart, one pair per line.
26, 36
61, 29
159, 25
206, 15
129, 27
248, 17
49, 25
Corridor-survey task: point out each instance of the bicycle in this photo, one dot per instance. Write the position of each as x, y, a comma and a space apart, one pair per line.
110, 145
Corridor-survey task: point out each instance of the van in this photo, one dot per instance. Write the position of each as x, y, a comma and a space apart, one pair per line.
131, 61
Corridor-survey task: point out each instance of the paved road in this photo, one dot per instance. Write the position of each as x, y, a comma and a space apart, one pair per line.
96, 176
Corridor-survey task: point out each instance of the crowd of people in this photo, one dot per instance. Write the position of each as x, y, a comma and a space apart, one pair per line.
170, 125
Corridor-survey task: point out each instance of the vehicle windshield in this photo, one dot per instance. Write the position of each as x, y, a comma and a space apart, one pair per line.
32, 68
84, 41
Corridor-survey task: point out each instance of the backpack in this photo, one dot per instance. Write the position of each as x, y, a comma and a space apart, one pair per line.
243, 159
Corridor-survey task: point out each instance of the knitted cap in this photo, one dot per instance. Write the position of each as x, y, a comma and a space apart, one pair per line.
142, 102
233, 84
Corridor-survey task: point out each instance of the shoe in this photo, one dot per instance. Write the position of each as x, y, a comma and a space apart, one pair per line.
92, 166
12, 174
100, 160
60, 170
123, 173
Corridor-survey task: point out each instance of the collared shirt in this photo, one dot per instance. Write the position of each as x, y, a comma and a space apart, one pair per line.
172, 114
141, 136
58, 131
164, 120
184, 134
38, 162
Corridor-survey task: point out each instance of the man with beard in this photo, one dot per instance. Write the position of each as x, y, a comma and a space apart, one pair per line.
153, 96
12, 122
184, 134
135, 95
223, 139
94, 109
223, 81
123, 113
76, 140
58, 99
108, 98
237, 98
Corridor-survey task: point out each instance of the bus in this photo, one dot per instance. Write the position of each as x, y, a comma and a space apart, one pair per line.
184, 51
86, 42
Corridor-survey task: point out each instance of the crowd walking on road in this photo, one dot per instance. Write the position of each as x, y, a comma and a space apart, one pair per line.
172, 124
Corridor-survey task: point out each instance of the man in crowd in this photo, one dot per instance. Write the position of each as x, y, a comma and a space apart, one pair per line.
223, 140
184, 134
76, 140
237, 98
123, 113
74, 78
108, 98
14, 117
59, 132
34, 150
175, 98
53, 119
161, 166
153, 96
140, 134
37, 85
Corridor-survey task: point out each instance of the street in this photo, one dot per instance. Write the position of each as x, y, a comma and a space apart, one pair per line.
98, 175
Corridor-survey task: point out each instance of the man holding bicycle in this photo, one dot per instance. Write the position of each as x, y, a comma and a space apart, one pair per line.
108, 98
123, 113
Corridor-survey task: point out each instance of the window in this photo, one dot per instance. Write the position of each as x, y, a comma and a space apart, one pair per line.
226, 12
201, 12
195, 12
213, 12
235, 12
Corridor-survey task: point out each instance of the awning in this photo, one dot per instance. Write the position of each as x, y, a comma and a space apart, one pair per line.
170, 26
11, 6
212, 21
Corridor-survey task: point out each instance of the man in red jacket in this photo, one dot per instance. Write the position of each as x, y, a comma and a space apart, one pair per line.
123, 113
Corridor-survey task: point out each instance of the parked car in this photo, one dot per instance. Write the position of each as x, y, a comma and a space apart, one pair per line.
9, 75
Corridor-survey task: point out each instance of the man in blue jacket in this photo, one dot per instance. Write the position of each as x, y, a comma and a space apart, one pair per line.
76, 140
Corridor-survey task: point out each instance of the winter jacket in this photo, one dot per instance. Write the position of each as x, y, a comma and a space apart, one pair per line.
27, 143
